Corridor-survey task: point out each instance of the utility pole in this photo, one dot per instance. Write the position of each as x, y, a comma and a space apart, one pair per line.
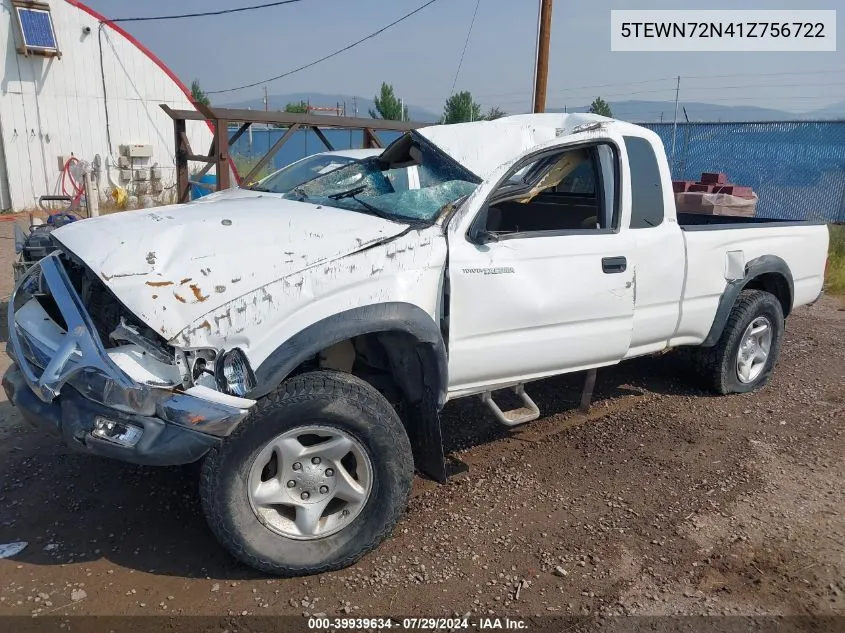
541, 69
401, 109
675, 124
266, 108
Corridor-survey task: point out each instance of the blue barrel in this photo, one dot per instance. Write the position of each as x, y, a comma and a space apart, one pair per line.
198, 191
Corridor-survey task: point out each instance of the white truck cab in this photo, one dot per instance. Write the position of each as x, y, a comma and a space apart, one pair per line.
301, 345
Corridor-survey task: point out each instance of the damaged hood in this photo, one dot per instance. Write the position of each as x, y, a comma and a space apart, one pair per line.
483, 146
172, 265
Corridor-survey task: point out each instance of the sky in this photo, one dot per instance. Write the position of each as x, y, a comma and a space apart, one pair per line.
420, 56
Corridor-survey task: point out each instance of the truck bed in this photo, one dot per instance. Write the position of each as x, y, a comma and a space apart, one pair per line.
704, 222
714, 244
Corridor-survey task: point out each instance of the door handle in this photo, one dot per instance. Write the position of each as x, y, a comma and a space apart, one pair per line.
612, 265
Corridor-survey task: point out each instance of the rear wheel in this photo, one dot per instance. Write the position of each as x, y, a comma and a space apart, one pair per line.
315, 478
745, 355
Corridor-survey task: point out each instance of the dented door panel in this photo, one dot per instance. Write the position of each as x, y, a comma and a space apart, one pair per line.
525, 308
533, 306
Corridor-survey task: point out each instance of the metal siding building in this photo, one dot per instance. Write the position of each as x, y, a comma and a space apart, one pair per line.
57, 106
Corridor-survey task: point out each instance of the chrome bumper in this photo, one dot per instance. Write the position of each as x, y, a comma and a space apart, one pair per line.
74, 357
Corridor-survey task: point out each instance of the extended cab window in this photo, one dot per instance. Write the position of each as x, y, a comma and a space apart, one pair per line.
646, 184
571, 190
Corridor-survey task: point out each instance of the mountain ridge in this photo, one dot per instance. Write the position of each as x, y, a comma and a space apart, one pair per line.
629, 110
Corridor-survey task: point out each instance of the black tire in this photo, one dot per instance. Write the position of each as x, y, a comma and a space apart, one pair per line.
326, 398
718, 364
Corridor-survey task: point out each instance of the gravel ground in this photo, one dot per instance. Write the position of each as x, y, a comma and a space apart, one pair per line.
663, 500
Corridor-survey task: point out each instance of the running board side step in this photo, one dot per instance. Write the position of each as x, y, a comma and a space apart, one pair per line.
531, 411
514, 417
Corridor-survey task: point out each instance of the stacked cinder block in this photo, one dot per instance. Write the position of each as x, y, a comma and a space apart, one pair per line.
700, 197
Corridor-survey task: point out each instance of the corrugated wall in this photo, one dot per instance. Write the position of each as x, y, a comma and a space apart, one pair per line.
56, 106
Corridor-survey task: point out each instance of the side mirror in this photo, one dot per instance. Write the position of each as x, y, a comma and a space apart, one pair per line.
483, 236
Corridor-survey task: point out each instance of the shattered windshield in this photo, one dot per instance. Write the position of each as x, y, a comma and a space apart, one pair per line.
411, 180
296, 173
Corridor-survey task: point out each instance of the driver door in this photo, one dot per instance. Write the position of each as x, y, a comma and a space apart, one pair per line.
542, 283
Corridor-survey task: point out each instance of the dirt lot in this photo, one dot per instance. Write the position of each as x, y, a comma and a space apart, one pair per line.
663, 500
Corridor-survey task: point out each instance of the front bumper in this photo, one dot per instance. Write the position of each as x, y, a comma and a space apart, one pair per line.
72, 417
63, 380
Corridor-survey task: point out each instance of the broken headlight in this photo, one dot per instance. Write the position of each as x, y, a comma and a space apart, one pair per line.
97, 386
233, 373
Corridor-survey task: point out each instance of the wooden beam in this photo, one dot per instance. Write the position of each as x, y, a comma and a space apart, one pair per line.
221, 139
244, 127
270, 153
286, 119
186, 143
182, 185
370, 138
202, 172
322, 137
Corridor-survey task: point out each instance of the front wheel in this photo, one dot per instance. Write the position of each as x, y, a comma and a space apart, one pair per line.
312, 480
745, 355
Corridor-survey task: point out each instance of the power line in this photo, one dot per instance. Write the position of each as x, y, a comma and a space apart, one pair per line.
204, 13
329, 56
466, 43
656, 80
569, 93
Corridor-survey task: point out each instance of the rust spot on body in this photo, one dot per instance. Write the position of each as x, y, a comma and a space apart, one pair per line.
155, 296
184, 281
178, 298
158, 284
204, 324
198, 293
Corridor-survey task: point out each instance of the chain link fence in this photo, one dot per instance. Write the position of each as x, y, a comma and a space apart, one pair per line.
796, 168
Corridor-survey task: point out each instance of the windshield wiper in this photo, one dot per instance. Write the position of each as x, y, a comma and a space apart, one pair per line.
351, 193
374, 210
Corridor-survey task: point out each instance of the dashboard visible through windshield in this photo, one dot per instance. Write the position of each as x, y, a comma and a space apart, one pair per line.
301, 171
375, 185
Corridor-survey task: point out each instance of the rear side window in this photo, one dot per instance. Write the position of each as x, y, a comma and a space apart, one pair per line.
646, 184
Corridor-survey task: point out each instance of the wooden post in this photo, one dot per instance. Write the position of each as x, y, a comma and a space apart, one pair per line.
221, 131
182, 185
542, 70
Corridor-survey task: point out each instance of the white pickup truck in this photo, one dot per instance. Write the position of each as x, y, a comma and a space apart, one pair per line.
301, 345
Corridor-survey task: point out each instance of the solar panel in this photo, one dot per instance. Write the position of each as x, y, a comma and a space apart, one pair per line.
37, 29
